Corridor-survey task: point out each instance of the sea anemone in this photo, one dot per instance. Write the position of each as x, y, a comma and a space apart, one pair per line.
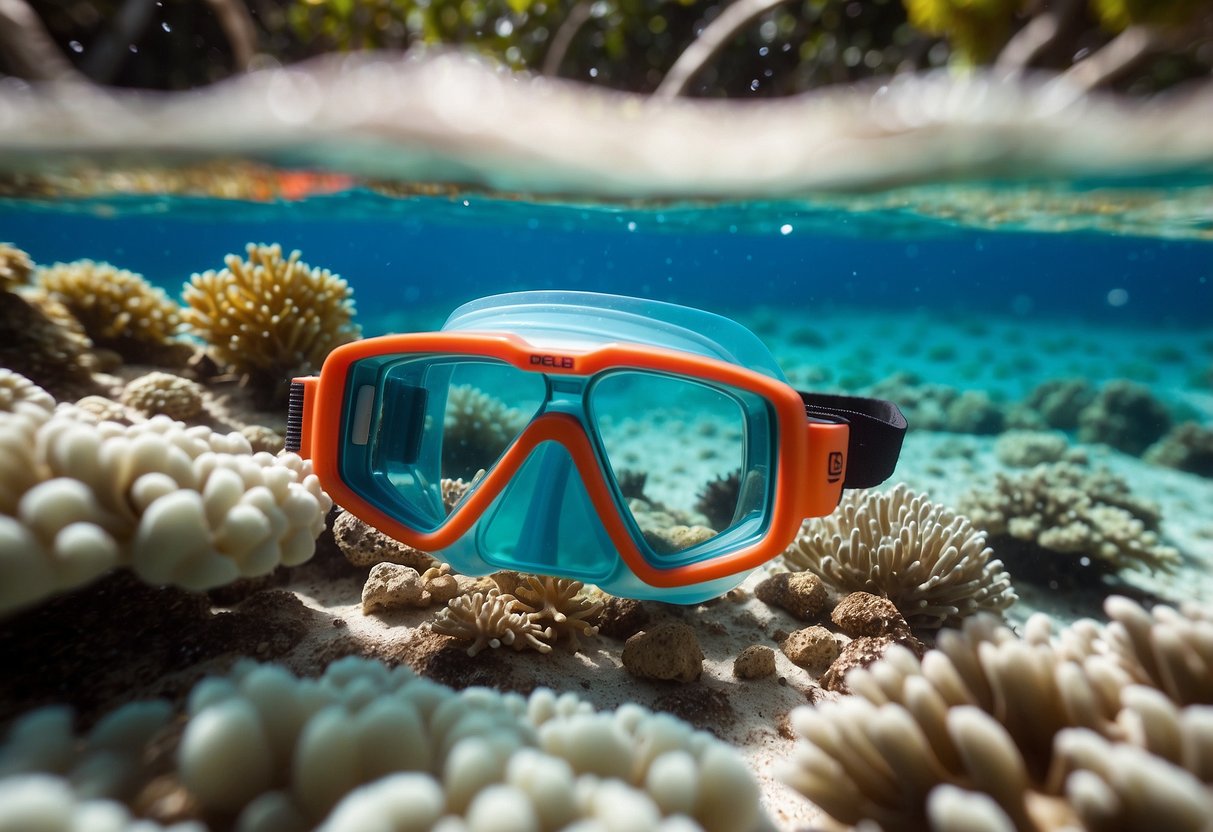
932, 563
1029, 734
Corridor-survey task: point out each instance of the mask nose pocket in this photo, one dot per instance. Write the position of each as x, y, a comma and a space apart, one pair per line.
544, 521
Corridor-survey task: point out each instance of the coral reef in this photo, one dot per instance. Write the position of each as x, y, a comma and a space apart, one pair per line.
15, 267
1031, 734
1124, 415
174, 396
177, 505
118, 309
1066, 510
932, 563
365, 745
270, 317
1187, 446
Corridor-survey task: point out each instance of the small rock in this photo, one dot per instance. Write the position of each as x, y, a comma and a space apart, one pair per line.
860, 653
391, 586
864, 614
802, 594
622, 617
812, 648
364, 545
667, 651
755, 662
440, 583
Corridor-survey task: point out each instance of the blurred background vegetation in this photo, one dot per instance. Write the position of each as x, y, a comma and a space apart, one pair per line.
779, 48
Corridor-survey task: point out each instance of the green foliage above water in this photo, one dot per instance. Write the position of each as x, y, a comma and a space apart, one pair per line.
631, 44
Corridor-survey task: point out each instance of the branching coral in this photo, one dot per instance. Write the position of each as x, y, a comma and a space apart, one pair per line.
270, 317
929, 561
1034, 734
1064, 509
174, 396
118, 309
557, 604
368, 747
178, 505
15, 267
488, 619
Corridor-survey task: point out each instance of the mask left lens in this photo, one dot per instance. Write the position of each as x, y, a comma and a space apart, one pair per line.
415, 424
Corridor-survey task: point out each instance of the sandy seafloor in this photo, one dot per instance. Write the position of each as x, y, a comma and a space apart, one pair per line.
1006, 357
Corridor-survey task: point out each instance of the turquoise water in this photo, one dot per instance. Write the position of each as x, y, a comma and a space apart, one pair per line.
410, 260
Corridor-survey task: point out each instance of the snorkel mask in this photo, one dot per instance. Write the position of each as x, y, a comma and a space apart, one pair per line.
653, 450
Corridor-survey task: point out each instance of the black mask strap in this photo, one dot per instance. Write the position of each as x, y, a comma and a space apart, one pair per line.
877, 429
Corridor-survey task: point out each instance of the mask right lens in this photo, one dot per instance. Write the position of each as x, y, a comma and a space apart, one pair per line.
690, 459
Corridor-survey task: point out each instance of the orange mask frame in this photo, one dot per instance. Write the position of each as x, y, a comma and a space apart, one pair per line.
810, 460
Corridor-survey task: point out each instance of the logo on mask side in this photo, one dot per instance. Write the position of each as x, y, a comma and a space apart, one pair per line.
834, 466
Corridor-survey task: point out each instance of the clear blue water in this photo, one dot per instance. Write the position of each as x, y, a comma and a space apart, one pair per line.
411, 260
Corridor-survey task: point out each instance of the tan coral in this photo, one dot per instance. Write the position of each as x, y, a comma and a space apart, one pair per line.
174, 396
270, 316
15, 267
558, 603
118, 309
488, 619
929, 561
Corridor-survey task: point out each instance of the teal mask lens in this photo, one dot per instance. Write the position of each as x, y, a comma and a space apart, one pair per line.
690, 459
412, 422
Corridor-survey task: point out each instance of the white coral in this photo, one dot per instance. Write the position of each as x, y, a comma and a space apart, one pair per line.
179, 505
365, 742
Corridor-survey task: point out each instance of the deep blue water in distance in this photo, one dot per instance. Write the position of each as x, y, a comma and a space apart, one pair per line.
401, 258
